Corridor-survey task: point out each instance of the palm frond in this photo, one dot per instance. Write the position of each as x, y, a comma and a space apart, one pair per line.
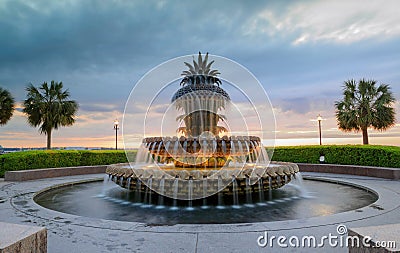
208, 67
7, 106
365, 105
214, 72
200, 61
191, 68
196, 66
182, 130
49, 107
205, 62
180, 117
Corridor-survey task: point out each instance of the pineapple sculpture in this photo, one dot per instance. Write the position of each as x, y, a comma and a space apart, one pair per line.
201, 99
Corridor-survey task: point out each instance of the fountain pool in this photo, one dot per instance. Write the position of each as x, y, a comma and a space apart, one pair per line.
286, 203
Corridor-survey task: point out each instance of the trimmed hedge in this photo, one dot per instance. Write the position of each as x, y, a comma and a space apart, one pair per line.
366, 155
58, 158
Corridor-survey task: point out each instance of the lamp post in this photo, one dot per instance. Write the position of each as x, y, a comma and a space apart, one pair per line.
319, 119
116, 127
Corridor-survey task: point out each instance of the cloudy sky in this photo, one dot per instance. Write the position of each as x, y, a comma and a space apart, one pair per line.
301, 52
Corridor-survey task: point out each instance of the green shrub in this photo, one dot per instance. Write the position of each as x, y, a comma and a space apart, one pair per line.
366, 155
58, 158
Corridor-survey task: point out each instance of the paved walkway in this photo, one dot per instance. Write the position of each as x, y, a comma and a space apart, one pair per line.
69, 233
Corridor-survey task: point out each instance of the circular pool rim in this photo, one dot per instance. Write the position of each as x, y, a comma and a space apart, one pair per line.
384, 204
324, 180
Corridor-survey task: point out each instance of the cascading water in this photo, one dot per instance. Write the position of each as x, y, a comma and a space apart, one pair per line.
249, 199
161, 195
235, 193
260, 193
175, 187
299, 185
147, 195
190, 194
220, 201
204, 206
105, 182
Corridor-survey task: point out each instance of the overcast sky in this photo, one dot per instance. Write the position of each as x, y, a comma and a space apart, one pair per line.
301, 52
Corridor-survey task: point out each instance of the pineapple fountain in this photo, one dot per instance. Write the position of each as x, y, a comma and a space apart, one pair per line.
203, 158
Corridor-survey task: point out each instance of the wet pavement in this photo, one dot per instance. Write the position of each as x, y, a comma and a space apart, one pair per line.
71, 233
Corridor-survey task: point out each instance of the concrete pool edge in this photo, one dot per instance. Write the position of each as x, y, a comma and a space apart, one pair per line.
372, 210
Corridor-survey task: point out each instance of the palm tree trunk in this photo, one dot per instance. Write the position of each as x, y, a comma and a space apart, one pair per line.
365, 135
49, 139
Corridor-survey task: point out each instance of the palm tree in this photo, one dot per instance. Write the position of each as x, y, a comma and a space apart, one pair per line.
365, 105
49, 108
7, 106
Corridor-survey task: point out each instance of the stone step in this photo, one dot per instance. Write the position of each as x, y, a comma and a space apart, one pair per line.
22, 238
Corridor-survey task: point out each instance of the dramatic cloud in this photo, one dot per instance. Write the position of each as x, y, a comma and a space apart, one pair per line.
332, 21
301, 52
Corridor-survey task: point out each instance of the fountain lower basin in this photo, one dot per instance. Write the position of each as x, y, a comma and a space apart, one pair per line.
194, 183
